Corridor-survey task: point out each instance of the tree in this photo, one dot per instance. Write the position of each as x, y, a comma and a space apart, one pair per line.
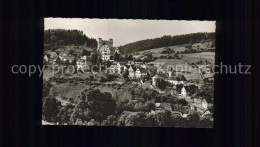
108, 64
99, 60
205, 122
163, 117
135, 119
125, 75
65, 113
126, 56
182, 102
145, 96
183, 78
66, 37
81, 112
93, 58
51, 109
45, 89
111, 77
71, 52
110, 121
53, 38
150, 120
85, 52
150, 56
121, 120
161, 83
102, 79
100, 104
193, 119
150, 106
179, 87
206, 91
90, 78
116, 56
130, 57
164, 41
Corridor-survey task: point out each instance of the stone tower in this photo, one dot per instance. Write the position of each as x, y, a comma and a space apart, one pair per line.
101, 42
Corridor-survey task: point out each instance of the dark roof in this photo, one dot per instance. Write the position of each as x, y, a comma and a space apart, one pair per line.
48, 55
142, 70
162, 75
112, 49
209, 100
166, 106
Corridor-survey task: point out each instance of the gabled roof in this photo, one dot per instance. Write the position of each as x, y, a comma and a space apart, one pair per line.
166, 106
162, 75
47, 55
208, 100
142, 70
69, 57
128, 113
62, 54
114, 63
131, 69
84, 57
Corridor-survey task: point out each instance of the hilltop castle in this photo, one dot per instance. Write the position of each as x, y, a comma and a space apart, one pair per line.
106, 49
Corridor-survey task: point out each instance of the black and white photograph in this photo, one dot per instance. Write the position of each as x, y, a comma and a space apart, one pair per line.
149, 73
142, 73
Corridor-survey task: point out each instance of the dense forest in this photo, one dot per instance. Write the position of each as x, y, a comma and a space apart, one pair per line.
166, 41
68, 37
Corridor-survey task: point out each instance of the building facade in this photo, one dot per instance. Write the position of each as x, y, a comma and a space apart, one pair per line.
104, 48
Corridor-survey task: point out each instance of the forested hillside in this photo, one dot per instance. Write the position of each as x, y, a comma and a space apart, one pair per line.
68, 37
166, 41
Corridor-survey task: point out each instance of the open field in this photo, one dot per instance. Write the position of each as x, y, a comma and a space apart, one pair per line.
180, 48
182, 66
175, 48
193, 57
169, 61
68, 89
73, 90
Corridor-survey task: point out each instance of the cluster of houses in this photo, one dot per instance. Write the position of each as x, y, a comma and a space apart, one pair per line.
136, 70
54, 58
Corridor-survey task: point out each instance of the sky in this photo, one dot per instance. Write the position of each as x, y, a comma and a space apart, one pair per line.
124, 31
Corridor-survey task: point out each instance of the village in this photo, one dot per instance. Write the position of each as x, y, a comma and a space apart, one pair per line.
173, 87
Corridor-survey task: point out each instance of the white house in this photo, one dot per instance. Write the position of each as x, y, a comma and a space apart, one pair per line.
83, 64
131, 72
154, 80
206, 103
140, 72
46, 58
51, 57
183, 91
62, 55
162, 76
175, 82
106, 50
117, 51
118, 67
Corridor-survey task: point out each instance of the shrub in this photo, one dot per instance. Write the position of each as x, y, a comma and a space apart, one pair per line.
102, 79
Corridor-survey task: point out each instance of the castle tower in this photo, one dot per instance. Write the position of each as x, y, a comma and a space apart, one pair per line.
99, 43
110, 44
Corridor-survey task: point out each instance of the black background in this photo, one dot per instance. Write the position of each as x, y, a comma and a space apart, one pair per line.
235, 95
